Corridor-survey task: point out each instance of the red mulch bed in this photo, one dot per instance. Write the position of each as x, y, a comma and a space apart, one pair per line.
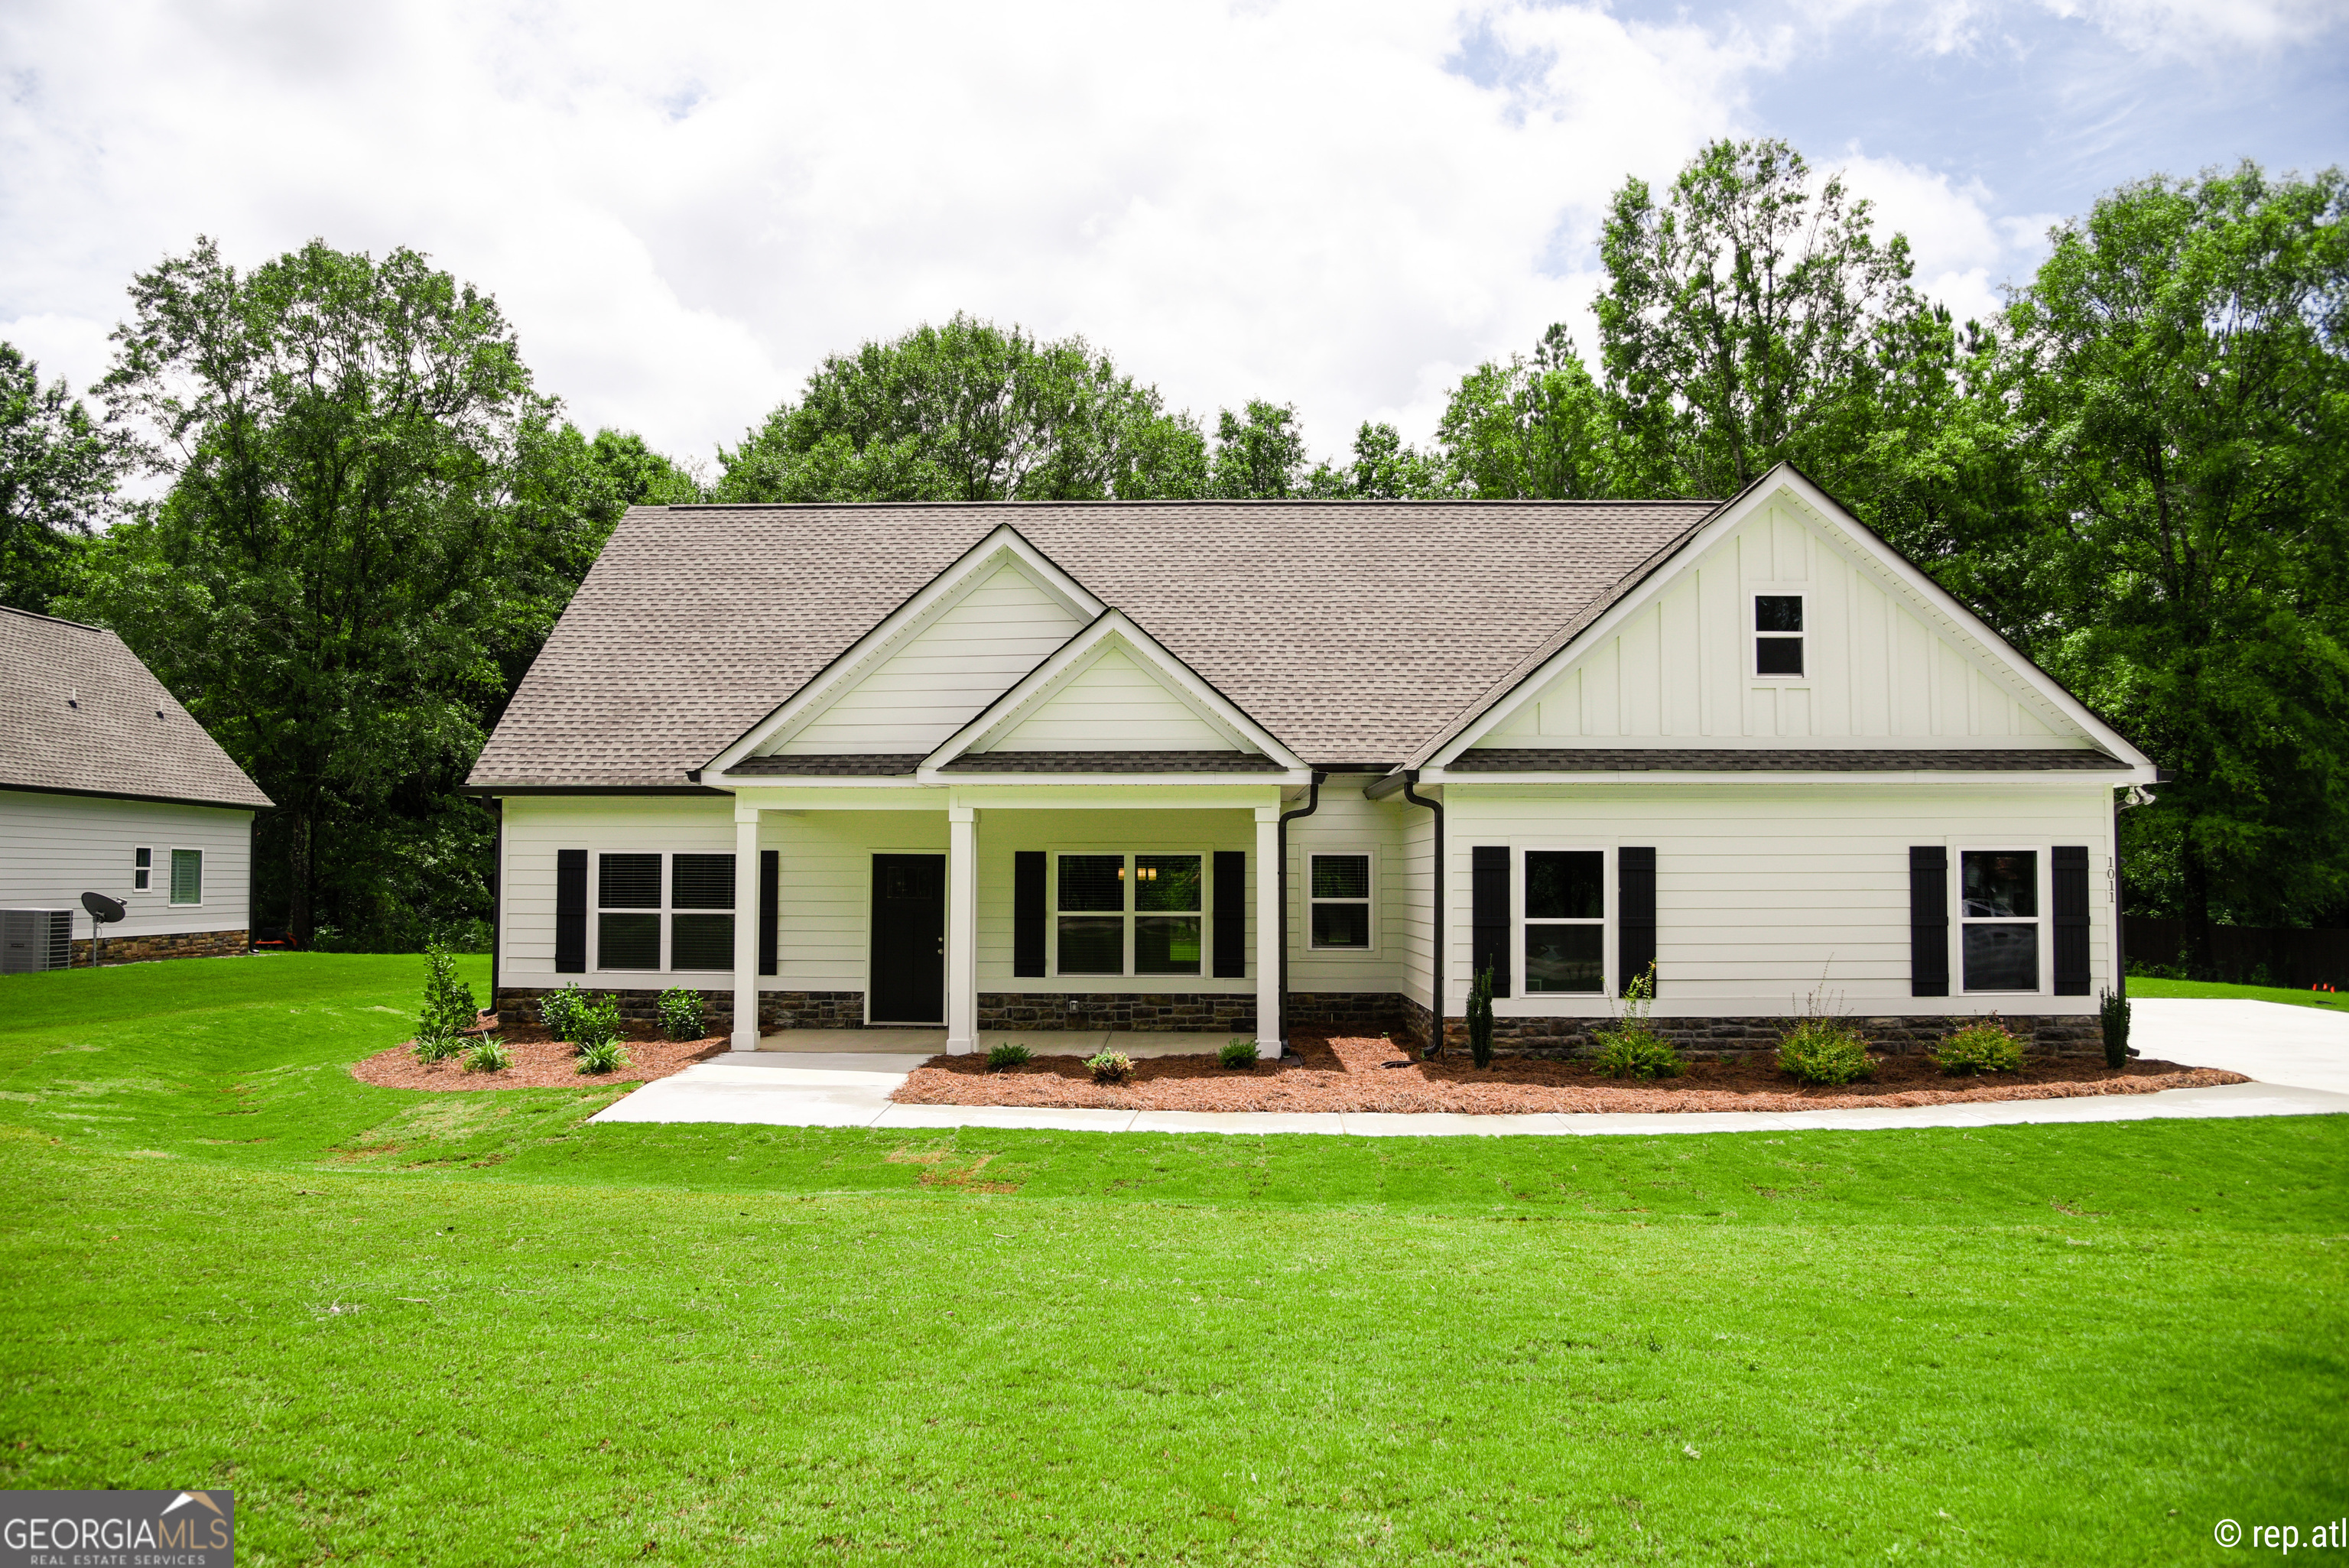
540, 1062
1345, 1072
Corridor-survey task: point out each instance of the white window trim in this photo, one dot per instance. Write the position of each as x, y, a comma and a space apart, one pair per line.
198, 901
1608, 897
1369, 853
1053, 908
1754, 634
146, 870
2041, 873
664, 911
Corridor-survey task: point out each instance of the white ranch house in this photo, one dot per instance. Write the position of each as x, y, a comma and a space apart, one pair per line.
107, 785
1004, 768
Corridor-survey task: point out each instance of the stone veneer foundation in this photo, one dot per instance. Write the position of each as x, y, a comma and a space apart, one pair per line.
1226, 1013
166, 944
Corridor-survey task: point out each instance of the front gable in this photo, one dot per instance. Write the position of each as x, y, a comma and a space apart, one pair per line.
939, 658
1890, 661
1113, 689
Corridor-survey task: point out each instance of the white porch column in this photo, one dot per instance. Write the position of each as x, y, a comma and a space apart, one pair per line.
1268, 933
962, 930
746, 928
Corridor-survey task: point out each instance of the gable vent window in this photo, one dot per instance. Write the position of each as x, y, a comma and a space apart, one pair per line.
1129, 914
1998, 911
1341, 900
1565, 921
1777, 633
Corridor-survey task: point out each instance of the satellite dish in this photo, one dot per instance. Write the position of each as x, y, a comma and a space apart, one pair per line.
102, 909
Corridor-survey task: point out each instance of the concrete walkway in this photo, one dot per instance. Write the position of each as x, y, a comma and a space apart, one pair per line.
2300, 1055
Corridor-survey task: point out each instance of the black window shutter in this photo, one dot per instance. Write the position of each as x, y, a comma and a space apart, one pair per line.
1027, 913
2071, 868
1928, 921
1231, 914
771, 882
1635, 910
571, 911
1488, 914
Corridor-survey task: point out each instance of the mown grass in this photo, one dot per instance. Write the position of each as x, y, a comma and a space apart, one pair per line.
2142, 985
410, 1327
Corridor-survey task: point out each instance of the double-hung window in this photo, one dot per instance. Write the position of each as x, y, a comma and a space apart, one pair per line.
1777, 633
1565, 921
1129, 914
1339, 891
1998, 919
699, 911
143, 869
187, 876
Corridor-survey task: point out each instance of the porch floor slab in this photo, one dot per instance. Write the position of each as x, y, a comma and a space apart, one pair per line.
1042, 1042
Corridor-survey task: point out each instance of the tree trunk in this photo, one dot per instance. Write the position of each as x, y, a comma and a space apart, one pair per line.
2195, 876
301, 919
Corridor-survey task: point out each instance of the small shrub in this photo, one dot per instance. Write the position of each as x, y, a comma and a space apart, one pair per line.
1007, 1056
1628, 1047
1640, 1053
680, 1014
1110, 1067
559, 1011
1980, 1048
596, 1022
1238, 1054
488, 1054
1820, 1050
436, 1043
1480, 1019
448, 1004
603, 1057
2114, 1011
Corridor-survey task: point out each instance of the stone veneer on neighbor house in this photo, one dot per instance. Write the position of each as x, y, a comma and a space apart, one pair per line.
164, 945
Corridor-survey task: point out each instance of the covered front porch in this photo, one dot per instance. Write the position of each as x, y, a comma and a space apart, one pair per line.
954, 915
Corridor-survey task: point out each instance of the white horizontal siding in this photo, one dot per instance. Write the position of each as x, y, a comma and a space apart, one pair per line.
971, 654
535, 827
54, 848
1763, 892
1114, 704
1345, 822
1879, 666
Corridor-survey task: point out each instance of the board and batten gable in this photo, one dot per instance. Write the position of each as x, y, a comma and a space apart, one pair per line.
1882, 665
967, 654
54, 848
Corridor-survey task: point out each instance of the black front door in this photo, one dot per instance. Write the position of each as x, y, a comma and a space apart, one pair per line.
909, 939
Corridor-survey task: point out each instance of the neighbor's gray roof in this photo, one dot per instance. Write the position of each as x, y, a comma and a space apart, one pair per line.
1853, 760
1354, 631
79, 713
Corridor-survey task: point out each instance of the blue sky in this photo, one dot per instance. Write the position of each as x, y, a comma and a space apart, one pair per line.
1342, 203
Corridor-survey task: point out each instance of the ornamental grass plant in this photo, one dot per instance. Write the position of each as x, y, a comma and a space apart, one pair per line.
1628, 1047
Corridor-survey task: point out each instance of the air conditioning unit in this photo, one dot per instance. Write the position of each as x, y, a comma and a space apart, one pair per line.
33, 939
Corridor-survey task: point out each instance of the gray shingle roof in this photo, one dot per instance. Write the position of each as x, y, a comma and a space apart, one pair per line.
79, 712
1353, 631
1662, 759
1111, 762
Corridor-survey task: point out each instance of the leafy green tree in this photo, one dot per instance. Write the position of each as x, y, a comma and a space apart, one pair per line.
1749, 318
968, 411
1531, 429
58, 473
370, 526
2178, 372
1261, 454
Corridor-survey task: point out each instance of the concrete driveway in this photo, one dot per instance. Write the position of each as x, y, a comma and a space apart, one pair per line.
2299, 1055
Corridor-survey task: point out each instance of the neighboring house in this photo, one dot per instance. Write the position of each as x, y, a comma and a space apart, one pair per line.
1025, 767
108, 786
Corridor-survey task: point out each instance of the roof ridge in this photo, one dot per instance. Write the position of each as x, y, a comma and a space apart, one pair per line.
58, 620
1174, 501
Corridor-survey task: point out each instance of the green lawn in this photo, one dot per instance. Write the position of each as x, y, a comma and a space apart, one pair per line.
414, 1328
2140, 986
